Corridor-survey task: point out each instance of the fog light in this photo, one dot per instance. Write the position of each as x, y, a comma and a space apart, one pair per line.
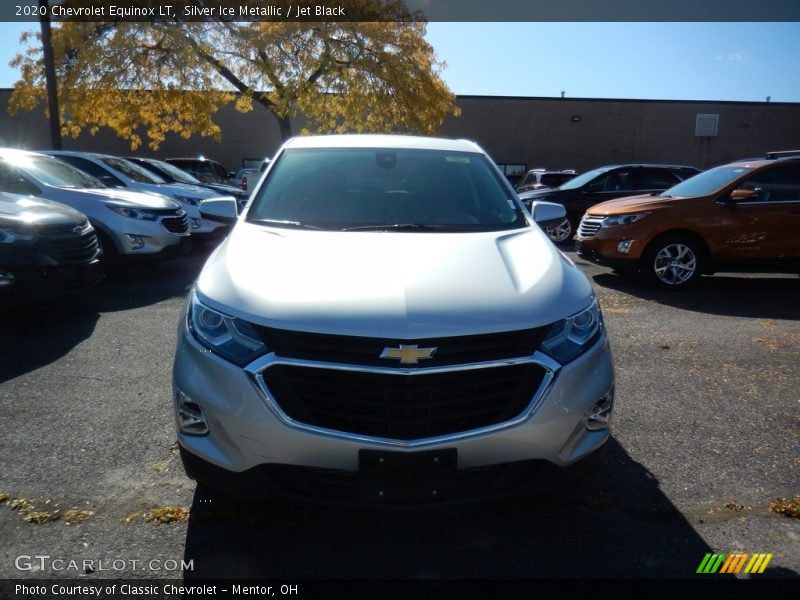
600, 414
191, 419
195, 224
624, 246
6, 279
136, 241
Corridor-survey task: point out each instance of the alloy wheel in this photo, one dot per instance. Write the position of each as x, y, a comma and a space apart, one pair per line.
675, 264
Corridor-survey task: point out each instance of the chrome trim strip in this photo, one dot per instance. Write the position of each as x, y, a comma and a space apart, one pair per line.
256, 370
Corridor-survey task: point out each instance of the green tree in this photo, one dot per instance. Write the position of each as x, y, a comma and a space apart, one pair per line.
154, 78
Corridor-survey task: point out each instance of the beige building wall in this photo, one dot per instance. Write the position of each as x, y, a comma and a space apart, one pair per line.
537, 132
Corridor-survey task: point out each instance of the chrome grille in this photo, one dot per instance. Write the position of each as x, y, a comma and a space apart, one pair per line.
403, 406
589, 226
73, 246
177, 223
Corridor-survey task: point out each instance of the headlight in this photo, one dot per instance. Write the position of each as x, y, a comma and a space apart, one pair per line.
134, 213
623, 219
11, 235
569, 338
187, 200
233, 339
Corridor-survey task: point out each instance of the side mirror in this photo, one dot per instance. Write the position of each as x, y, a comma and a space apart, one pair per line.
547, 213
743, 195
219, 209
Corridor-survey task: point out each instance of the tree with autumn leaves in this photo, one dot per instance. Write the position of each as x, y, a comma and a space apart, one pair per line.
151, 79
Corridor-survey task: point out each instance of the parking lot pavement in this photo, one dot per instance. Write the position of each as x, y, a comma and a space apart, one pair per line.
705, 430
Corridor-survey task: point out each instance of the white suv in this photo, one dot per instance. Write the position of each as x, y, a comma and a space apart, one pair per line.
386, 324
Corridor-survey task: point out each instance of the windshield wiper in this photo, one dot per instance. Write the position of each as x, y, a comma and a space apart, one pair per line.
412, 227
282, 223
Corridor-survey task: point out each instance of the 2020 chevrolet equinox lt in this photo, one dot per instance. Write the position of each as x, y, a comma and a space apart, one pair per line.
386, 324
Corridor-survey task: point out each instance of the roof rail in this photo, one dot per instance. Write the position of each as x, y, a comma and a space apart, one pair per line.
782, 154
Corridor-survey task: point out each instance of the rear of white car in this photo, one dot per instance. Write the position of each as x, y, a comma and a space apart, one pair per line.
386, 325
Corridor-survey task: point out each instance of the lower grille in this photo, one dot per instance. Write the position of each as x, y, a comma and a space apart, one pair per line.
74, 248
404, 407
589, 226
178, 224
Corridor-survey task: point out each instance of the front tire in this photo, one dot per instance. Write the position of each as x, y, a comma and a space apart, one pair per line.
561, 232
110, 255
673, 262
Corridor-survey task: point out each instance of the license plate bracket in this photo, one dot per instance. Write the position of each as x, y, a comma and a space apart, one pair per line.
387, 477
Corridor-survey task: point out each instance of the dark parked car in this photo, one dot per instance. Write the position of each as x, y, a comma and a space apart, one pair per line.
47, 249
605, 183
204, 169
172, 174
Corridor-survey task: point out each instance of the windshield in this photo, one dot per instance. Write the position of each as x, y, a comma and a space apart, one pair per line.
177, 174
580, 180
131, 170
706, 182
57, 173
398, 189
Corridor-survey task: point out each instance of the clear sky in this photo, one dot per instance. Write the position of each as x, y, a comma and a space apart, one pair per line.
683, 61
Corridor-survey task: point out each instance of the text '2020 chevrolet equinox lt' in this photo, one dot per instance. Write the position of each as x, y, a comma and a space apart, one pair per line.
386, 324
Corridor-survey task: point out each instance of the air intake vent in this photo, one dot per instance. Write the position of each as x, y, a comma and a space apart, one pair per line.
706, 125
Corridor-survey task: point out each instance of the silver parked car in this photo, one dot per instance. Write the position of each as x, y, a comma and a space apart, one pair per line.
387, 324
119, 172
128, 224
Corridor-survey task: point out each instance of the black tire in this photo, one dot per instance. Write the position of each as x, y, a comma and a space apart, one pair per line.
673, 261
562, 233
110, 257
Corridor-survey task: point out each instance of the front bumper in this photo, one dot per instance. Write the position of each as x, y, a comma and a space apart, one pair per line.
605, 254
154, 235
250, 441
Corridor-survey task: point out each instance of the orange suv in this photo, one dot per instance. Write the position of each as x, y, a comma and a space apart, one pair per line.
743, 216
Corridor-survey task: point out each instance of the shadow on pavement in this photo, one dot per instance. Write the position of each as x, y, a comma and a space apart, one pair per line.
615, 524
34, 335
728, 295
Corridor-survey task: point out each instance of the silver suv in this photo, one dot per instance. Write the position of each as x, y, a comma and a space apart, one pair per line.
129, 224
386, 324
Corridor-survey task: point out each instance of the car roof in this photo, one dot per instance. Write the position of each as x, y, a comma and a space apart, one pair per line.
647, 165
10, 152
761, 162
410, 142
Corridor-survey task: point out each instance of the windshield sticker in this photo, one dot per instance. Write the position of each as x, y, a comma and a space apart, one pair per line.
457, 159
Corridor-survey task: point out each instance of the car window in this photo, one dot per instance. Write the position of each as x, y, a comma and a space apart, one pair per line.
706, 182
581, 180
612, 181
59, 173
174, 172
345, 188
778, 184
131, 170
655, 179
14, 182
93, 169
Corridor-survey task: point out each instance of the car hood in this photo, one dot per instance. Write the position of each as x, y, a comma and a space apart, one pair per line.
390, 284
630, 204
37, 211
188, 191
540, 194
227, 190
127, 198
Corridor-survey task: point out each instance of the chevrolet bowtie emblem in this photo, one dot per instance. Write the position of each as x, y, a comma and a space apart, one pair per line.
408, 355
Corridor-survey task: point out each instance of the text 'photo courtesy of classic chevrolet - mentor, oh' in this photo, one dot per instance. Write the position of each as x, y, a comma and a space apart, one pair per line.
386, 324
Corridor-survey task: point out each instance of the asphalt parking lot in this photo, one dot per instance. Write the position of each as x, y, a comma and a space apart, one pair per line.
706, 435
